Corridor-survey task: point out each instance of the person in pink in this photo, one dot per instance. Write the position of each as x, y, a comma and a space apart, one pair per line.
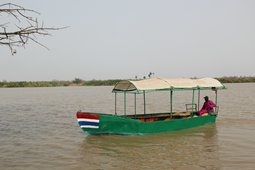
207, 107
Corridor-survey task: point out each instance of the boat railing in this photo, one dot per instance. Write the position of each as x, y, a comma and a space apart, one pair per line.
191, 107
216, 110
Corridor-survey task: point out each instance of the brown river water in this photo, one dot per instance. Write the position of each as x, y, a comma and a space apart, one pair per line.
38, 130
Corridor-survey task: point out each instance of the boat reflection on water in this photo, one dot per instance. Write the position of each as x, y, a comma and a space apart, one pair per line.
193, 148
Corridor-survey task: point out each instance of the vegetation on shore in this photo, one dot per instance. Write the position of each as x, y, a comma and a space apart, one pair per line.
80, 82
56, 83
236, 79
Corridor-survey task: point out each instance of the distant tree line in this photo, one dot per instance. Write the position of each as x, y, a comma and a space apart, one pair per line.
80, 82
35, 84
237, 79
75, 82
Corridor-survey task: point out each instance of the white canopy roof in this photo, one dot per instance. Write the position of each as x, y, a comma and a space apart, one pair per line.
166, 84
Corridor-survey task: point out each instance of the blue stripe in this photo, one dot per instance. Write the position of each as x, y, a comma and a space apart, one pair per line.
84, 123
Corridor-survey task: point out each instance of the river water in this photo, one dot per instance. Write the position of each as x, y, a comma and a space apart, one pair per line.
38, 130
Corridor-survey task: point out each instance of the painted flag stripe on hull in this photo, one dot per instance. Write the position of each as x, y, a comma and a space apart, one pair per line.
81, 115
88, 120
89, 124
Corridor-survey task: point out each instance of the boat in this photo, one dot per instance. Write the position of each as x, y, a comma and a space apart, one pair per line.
148, 123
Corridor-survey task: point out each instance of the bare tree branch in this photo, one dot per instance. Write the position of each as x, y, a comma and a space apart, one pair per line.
14, 35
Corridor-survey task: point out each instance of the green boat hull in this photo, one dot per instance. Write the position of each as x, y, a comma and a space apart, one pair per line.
111, 124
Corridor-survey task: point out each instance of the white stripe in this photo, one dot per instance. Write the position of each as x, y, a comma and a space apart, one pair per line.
89, 126
88, 120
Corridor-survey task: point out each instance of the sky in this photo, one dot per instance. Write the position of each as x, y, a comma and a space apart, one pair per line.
121, 39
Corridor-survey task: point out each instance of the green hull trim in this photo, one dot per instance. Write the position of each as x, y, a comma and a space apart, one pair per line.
111, 124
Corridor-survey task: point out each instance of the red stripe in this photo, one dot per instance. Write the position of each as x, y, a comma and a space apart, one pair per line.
87, 115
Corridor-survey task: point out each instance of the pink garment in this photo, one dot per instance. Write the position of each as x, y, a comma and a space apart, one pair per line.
207, 107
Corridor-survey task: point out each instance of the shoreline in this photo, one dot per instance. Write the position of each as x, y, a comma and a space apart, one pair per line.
112, 82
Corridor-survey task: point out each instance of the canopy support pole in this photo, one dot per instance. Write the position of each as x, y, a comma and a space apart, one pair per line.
125, 102
144, 102
193, 97
171, 103
135, 104
216, 97
198, 100
216, 101
115, 103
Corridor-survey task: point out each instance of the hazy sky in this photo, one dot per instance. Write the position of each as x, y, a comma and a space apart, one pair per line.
111, 39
